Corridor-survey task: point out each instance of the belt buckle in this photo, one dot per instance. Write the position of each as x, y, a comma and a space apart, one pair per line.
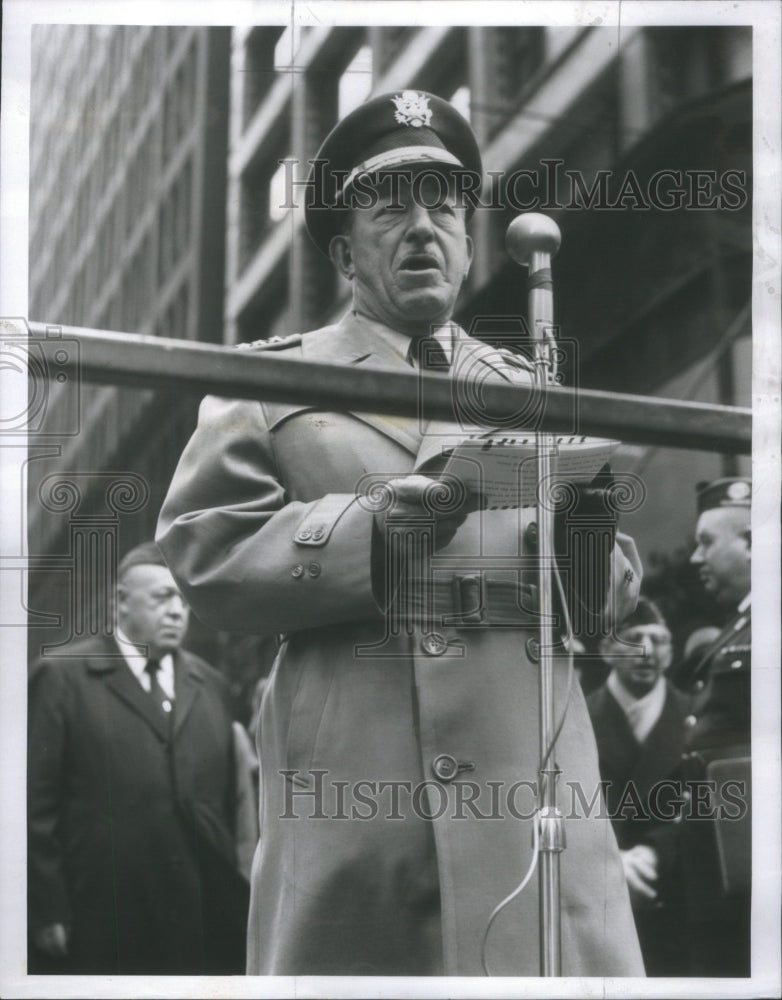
469, 600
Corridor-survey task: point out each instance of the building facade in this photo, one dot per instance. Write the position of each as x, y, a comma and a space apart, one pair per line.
128, 159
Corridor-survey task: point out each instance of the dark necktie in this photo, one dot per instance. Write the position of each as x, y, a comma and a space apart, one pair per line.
157, 693
428, 354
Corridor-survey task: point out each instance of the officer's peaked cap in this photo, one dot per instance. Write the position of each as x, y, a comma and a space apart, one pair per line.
735, 492
390, 132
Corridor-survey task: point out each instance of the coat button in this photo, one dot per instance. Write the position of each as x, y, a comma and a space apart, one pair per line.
445, 767
314, 569
434, 644
304, 535
737, 664
317, 534
297, 571
699, 685
690, 721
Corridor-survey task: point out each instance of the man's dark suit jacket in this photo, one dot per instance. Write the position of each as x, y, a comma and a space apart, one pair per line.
633, 770
623, 760
130, 838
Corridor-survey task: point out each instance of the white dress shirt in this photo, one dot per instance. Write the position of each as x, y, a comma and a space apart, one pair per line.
401, 343
137, 662
642, 713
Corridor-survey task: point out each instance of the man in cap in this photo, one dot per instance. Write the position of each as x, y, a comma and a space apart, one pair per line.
377, 725
716, 853
638, 718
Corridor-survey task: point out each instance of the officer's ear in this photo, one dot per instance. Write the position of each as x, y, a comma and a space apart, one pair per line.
470, 251
341, 254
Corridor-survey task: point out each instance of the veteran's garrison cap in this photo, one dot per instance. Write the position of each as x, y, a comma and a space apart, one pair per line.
735, 492
646, 613
390, 132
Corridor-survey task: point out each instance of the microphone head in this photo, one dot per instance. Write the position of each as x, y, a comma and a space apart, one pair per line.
532, 233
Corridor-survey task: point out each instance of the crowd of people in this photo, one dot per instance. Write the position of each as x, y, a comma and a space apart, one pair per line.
398, 729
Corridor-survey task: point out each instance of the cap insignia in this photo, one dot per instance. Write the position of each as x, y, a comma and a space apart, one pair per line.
412, 108
738, 491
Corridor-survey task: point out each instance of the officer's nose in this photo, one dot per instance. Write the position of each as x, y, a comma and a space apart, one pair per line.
419, 222
697, 556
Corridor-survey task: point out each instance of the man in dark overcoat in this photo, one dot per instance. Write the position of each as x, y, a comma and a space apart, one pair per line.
131, 852
405, 685
638, 718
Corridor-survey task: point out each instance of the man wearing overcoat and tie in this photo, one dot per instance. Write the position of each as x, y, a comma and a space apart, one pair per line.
132, 866
384, 733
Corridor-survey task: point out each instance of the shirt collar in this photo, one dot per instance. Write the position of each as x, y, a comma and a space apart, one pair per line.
137, 660
642, 713
446, 334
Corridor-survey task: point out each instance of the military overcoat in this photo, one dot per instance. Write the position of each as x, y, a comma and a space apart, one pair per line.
398, 761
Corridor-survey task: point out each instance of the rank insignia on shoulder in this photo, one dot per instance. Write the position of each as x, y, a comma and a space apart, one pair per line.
520, 361
271, 343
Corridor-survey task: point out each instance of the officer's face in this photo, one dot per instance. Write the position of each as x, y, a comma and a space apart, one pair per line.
409, 253
639, 656
151, 610
723, 554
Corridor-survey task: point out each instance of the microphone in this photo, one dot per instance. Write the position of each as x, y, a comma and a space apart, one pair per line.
531, 234
532, 240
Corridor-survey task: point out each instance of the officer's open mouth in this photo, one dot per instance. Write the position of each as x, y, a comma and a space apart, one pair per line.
420, 262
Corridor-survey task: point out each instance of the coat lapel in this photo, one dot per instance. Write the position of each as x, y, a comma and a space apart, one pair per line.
353, 343
188, 685
615, 741
121, 683
476, 360
663, 746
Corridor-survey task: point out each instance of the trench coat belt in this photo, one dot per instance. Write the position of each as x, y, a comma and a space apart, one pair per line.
469, 600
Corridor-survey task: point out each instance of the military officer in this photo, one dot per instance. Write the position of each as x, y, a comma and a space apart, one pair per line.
383, 735
716, 859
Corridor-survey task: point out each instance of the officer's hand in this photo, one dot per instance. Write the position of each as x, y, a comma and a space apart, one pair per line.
420, 500
640, 866
52, 940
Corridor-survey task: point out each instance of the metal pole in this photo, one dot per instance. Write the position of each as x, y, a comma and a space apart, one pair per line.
532, 240
182, 366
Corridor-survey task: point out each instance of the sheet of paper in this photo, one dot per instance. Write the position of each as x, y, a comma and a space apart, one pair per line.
503, 468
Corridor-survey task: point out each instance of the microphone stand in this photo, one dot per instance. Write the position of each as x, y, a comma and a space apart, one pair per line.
532, 240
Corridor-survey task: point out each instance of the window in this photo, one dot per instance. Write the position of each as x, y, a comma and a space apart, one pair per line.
259, 66
278, 192
355, 83
460, 99
286, 48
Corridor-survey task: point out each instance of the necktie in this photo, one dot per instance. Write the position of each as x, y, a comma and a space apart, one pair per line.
159, 696
428, 354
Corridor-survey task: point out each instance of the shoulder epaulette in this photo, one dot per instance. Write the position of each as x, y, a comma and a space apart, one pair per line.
272, 343
518, 360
